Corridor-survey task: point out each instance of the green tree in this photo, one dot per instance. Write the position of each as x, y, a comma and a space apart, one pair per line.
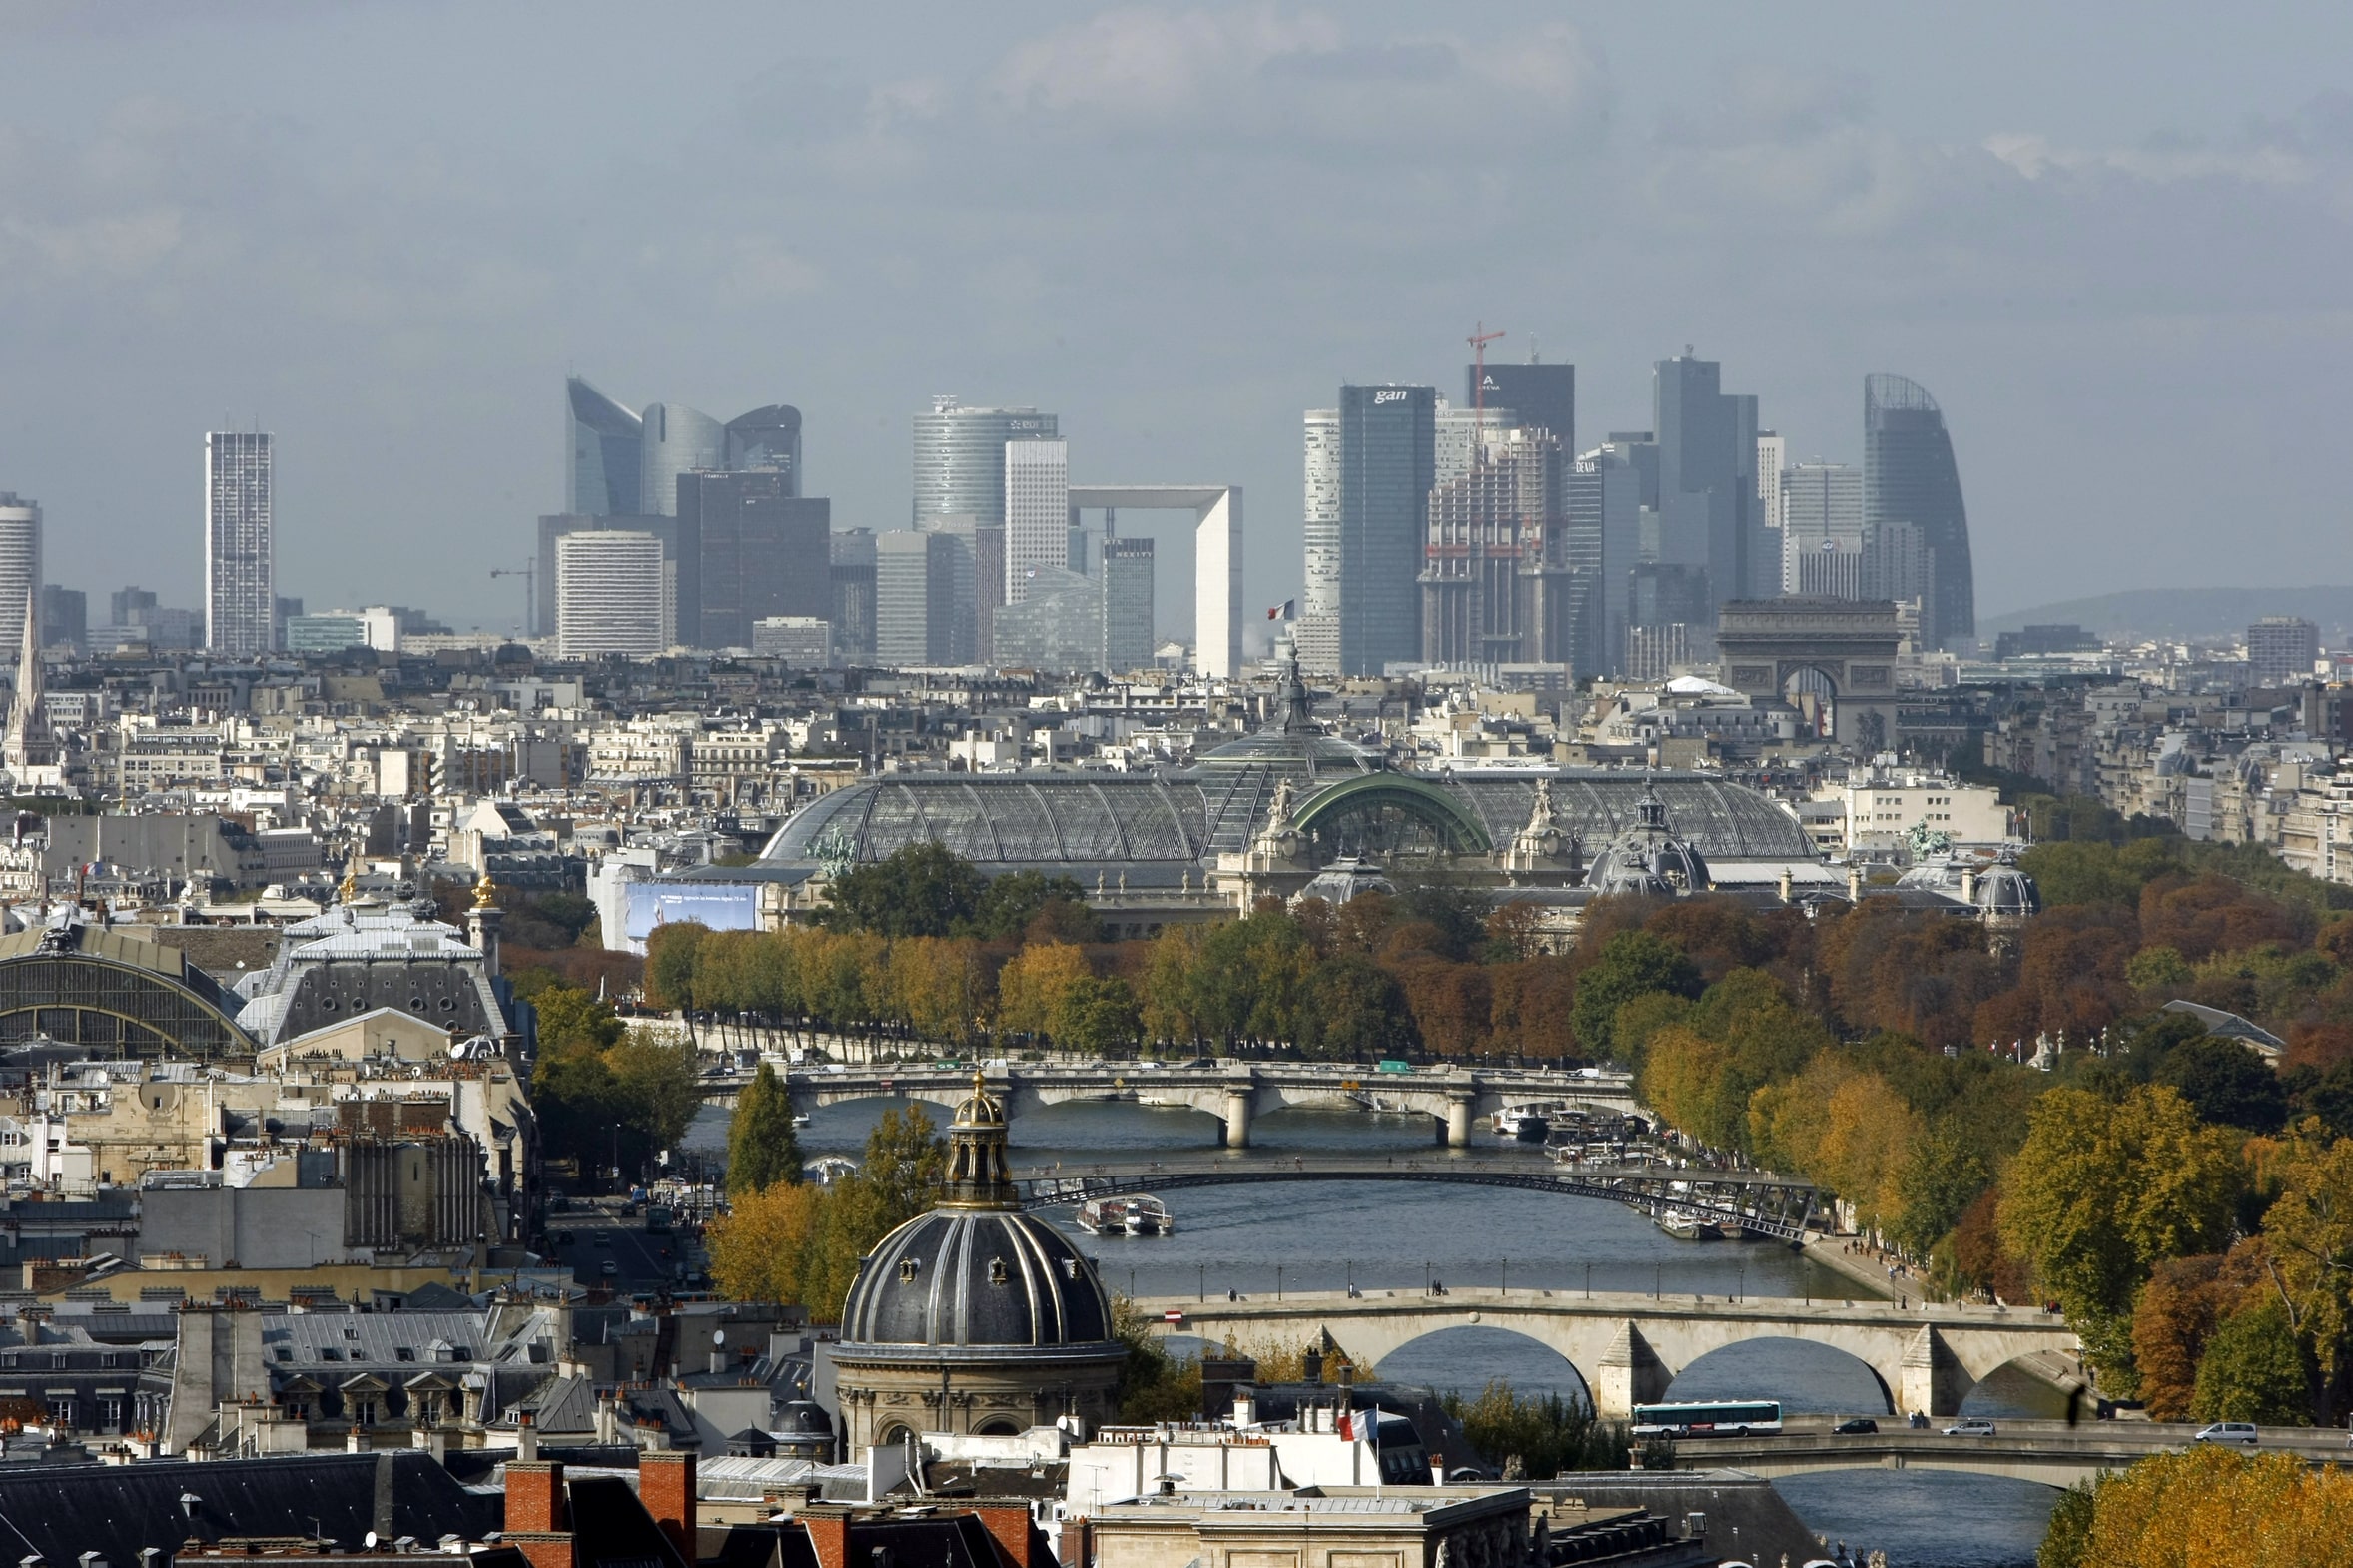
923, 889
657, 1085
1352, 1009
762, 1147
1546, 1435
569, 1015
2253, 1370
1010, 904
1632, 964
669, 962
1097, 1016
2226, 1083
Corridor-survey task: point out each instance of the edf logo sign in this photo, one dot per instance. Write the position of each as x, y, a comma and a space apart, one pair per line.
1397, 396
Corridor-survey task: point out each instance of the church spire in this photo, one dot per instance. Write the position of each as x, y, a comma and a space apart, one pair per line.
29, 742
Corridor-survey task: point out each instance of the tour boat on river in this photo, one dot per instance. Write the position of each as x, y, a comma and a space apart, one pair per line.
1139, 1216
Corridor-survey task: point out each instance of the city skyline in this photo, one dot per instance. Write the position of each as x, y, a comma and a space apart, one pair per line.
1893, 210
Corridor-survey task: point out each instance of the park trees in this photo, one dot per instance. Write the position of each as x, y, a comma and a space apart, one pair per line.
762, 1147
1631, 964
1352, 1009
2103, 1191
2206, 1505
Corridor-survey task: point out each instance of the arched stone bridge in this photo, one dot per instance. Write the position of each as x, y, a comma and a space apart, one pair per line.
1234, 1093
1629, 1347
1735, 1202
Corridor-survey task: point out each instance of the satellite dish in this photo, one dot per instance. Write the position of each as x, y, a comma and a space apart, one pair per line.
369, 1540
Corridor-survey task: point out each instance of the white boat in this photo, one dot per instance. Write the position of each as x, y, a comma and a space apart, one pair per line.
1150, 1216
1690, 1227
1525, 1123
1125, 1217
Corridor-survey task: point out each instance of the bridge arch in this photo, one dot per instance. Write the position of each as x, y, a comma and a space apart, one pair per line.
1328, 812
1538, 1368
1724, 1374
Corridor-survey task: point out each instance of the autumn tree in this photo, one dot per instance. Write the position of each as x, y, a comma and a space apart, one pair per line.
764, 1247
2103, 1191
1031, 986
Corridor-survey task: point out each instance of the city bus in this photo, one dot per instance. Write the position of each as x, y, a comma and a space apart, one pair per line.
1713, 1419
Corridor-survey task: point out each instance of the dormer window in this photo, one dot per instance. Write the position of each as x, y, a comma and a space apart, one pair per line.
996, 1271
908, 1269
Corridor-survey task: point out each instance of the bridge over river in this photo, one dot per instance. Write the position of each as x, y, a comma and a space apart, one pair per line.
1735, 1202
1629, 1347
1233, 1091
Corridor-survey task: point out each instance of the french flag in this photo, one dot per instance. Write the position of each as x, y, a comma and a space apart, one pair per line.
1288, 609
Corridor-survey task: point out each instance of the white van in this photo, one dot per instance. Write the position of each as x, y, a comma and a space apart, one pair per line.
2239, 1432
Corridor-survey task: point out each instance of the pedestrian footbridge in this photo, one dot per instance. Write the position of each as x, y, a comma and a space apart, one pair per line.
1738, 1202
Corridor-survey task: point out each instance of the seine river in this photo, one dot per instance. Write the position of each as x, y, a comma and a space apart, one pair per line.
1322, 1235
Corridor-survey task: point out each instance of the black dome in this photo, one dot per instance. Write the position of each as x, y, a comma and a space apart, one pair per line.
976, 1278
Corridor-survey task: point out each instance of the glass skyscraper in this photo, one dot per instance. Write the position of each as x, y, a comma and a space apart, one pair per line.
1909, 475
960, 459
770, 439
602, 445
241, 559
1388, 462
678, 440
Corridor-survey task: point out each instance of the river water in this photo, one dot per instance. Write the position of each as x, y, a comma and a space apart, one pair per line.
1322, 1237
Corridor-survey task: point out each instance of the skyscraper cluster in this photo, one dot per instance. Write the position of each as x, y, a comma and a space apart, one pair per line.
1471, 538
717, 537
997, 567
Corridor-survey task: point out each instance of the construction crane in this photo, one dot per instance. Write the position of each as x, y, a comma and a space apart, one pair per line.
530, 576
1479, 339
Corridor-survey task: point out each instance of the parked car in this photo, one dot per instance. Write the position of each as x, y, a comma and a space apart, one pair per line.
1970, 1426
1861, 1426
2239, 1432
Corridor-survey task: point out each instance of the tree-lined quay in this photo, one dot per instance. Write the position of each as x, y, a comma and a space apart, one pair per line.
2175, 1196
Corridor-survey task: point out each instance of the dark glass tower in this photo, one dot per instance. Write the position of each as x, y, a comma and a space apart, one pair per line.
601, 477
1388, 462
763, 552
1544, 395
1909, 475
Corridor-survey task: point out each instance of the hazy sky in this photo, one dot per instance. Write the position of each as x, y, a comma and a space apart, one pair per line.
2112, 239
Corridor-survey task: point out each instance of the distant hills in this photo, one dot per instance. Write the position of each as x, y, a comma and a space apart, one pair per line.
2183, 612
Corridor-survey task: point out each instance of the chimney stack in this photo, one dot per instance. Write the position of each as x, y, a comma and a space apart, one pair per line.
665, 1485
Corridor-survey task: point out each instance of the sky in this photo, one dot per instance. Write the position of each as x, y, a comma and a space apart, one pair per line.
2110, 238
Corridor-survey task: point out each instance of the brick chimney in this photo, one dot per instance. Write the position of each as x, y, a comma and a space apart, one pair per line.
829, 1535
665, 1485
1009, 1523
535, 1496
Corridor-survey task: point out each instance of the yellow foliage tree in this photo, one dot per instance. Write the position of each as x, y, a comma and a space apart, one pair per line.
1034, 984
1787, 1120
1866, 1131
2209, 1506
763, 1246
1681, 1072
